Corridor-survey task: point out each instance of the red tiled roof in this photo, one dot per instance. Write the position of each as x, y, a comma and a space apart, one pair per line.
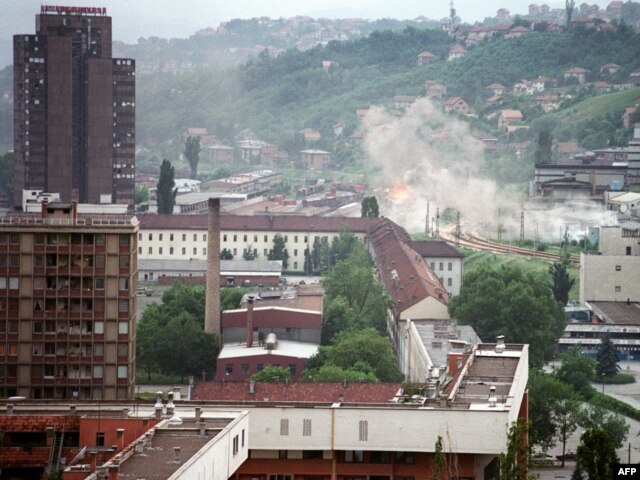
435, 248
259, 222
296, 392
413, 281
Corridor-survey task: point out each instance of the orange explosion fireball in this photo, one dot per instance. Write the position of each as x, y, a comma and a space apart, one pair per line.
399, 193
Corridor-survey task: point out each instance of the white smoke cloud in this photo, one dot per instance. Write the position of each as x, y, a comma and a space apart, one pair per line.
426, 155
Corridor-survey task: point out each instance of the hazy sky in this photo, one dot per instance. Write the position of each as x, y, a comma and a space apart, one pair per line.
178, 18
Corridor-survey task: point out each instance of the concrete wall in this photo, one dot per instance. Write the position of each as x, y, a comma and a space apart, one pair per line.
429, 308
613, 278
449, 271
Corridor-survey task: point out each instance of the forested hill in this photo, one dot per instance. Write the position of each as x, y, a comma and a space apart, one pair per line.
276, 97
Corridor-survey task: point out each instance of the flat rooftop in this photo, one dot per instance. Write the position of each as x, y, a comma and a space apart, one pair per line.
621, 313
285, 348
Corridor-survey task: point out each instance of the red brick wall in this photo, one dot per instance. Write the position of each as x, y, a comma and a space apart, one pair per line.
133, 428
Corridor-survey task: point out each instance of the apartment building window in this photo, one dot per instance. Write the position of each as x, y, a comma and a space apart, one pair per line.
160, 251
266, 239
432, 265
195, 250
286, 238
99, 239
306, 239
228, 369
379, 457
628, 250
295, 252
99, 283
170, 250
150, 236
295, 239
97, 371
450, 266
139, 250
204, 237
123, 283
140, 236
244, 238
353, 456
171, 237
618, 288
184, 250
150, 250
160, 237
123, 371
195, 237
265, 252
184, 237
204, 250
306, 427
224, 237
235, 252
235, 238
255, 238
449, 282
123, 328
98, 328
123, 305
405, 458
244, 369
441, 266
363, 430
618, 268
295, 265
123, 349
284, 427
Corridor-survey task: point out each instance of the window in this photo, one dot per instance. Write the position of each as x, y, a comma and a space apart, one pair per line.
235, 238
441, 266
99, 261
195, 250
265, 252
235, 252
204, 250
245, 238
97, 371
235, 445
228, 369
243, 437
123, 305
449, 282
224, 237
295, 239
160, 237
204, 237
150, 250
284, 427
14, 283
184, 250
171, 237
170, 250
292, 368
255, 238
450, 266
404, 458
618, 268
123, 371
123, 328
433, 266
123, 283
312, 455
100, 439
379, 457
295, 265
139, 250
160, 250
195, 237
98, 349
353, 456
363, 430
618, 288
305, 239
124, 240
99, 283
123, 349
98, 328
286, 238
280, 477
306, 427
150, 236
244, 369
628, 250
282, 455
184, 237
295, 252
266, 239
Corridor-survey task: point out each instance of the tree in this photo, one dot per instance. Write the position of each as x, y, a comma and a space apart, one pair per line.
338, 316
225, 254
613, 424
166, 193
569, 6
192, 154
514, 463
370, 207
561, 282
365, 350
279, 251
595, 457
308, 262
543, 148
607, 359
6, 174
506, 301
272, 373
333, 373
140, 195
566, 415
249, 253
578, 371
230, 298
546, 393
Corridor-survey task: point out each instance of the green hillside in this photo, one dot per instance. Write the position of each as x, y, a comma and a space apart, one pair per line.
276, 97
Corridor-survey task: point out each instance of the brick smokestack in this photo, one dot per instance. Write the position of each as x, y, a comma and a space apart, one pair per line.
250, 322
212, 304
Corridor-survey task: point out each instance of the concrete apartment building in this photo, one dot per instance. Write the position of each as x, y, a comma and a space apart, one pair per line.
278, 431
67, 304
74, 109
444, 260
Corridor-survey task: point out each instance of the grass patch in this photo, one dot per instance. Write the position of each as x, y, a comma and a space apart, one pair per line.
618, 379
614, 405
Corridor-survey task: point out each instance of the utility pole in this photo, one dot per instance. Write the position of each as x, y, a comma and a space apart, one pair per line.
438, 222
458, 229
426, 230
522, 226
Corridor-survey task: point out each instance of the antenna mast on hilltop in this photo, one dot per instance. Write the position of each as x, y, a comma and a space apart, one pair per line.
452, 13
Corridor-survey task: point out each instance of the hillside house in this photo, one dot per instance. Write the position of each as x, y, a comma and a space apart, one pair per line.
609, 68
310, 134
220, 154
523, 87
578, 73
458, 105
402, 102
494, 100
635, 78
435, 90
509, 118
315, 159
517, 32
457, 51
425, 57
497, 89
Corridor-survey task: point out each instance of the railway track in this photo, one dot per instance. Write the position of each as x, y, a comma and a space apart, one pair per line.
477, 243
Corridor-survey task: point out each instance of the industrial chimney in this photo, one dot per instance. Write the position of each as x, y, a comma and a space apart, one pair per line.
212, 302
249, 322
